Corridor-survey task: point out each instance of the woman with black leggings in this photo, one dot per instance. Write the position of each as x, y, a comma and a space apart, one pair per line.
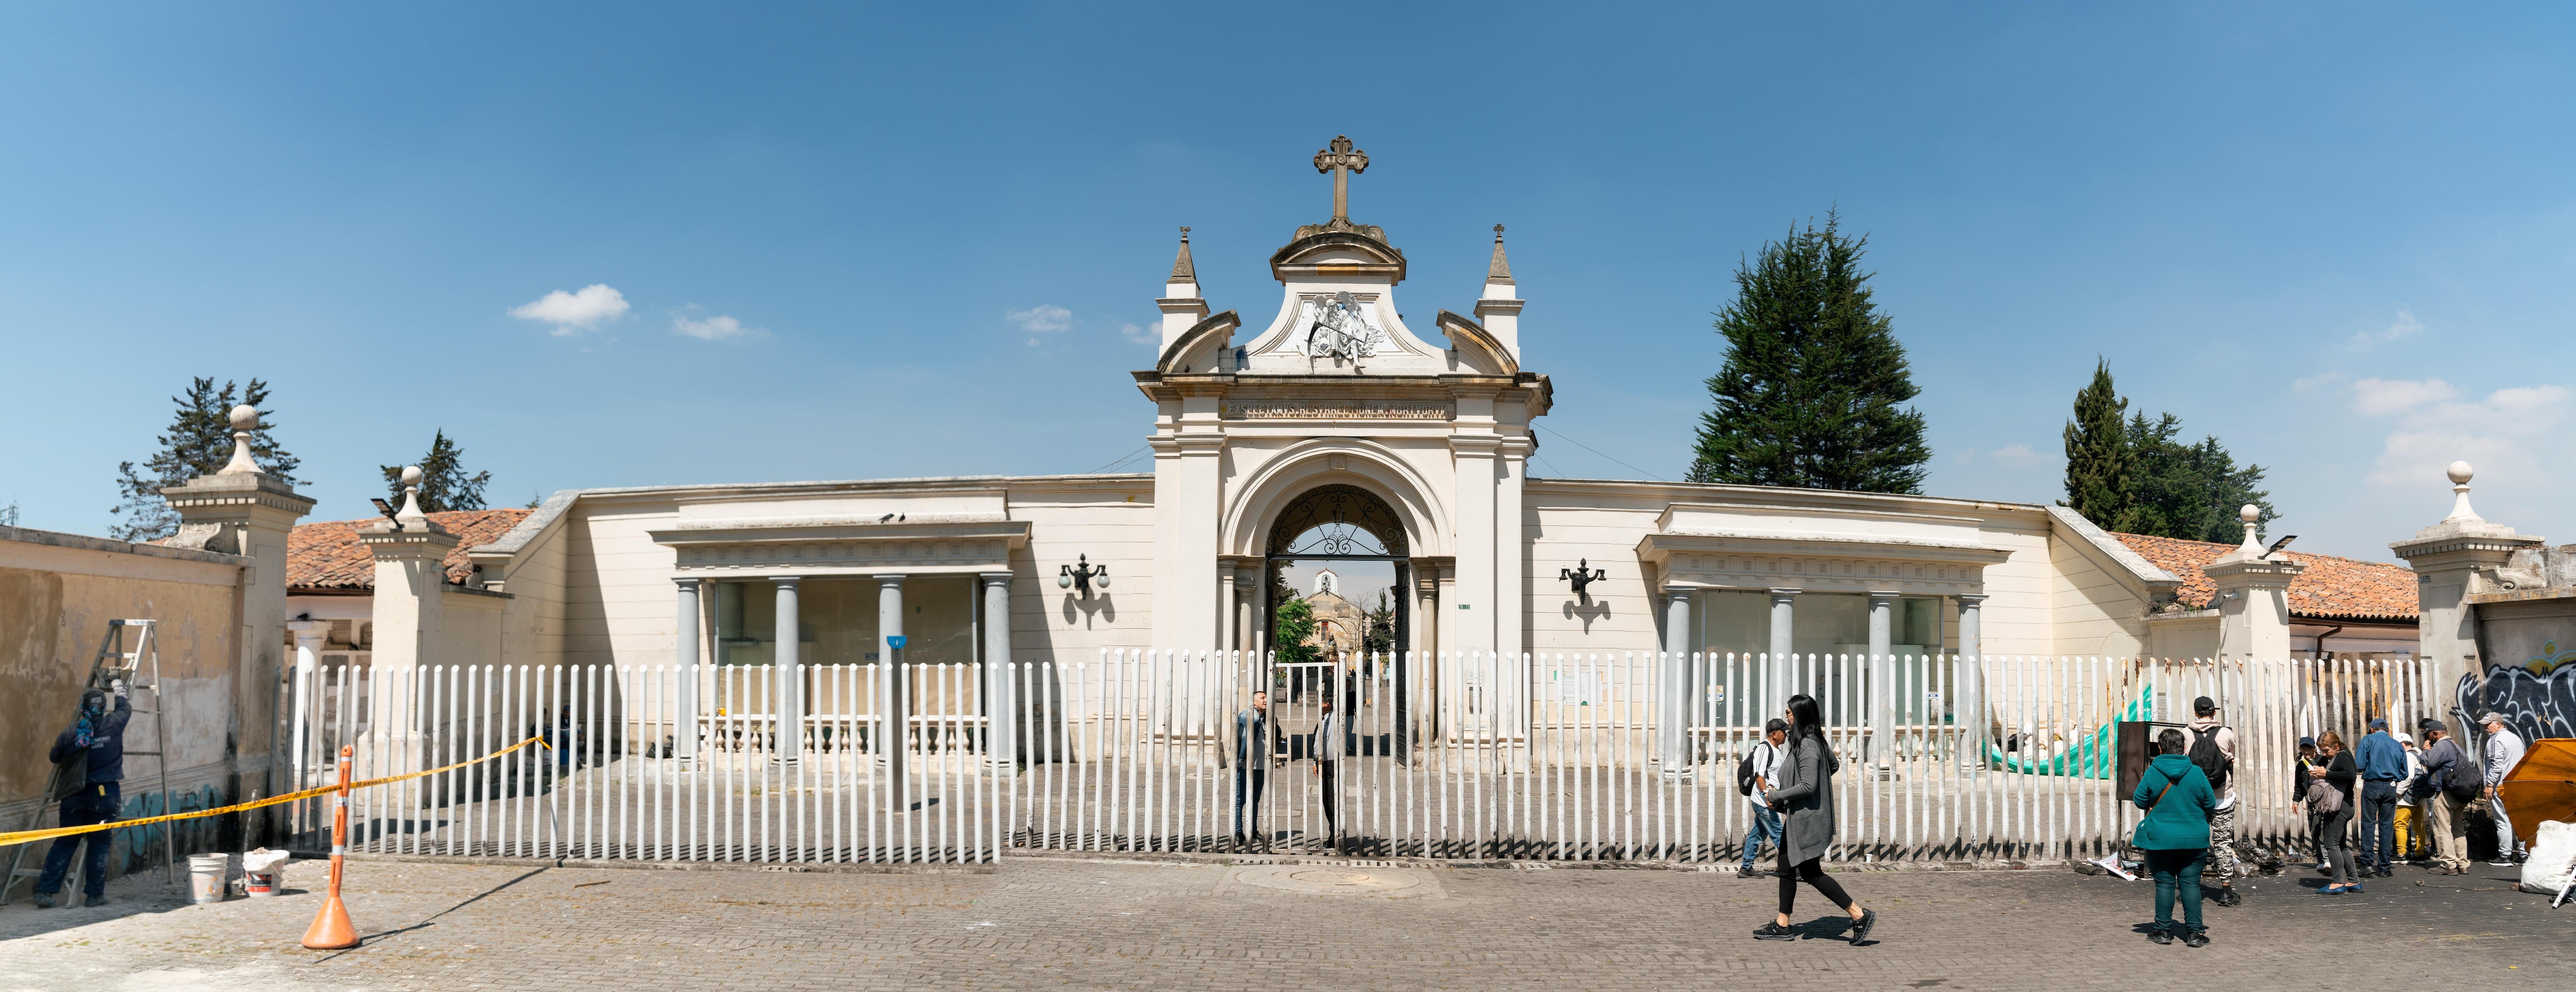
1805, 801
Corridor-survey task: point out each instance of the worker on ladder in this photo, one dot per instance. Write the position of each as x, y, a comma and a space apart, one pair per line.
90, 755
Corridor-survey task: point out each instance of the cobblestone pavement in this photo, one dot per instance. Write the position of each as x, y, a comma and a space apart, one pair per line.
1067, 923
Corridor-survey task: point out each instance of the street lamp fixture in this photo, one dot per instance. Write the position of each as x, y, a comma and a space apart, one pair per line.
1083, 576
1582, 575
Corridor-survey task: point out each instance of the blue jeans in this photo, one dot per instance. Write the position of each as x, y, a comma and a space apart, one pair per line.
2178, 870
94, 804
1765, 824
2378, 823
1247, 785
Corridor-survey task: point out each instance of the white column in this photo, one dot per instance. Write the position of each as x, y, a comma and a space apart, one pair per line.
1882, 674
1225, 622
787, 673
685, 669
1672, 676
1971, 679
308, 641
1001, 707
1783, 612
893, 709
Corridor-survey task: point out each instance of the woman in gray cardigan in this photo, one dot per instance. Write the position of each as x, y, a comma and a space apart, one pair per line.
1805, 800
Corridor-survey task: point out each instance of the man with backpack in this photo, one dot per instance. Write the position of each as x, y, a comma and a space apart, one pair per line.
1754, 777
89, 759
2383, 766
2213, 749
2444, 806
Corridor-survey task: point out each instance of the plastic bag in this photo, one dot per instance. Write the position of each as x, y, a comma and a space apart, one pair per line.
263, 859
2553, 855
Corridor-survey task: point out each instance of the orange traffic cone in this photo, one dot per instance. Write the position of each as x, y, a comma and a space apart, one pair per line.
331, 929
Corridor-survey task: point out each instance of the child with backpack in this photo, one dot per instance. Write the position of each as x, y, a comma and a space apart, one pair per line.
1754, 777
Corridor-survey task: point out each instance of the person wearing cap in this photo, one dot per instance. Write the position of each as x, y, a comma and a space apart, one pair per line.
90, 755
2503, 751
2444, 822
2383, 765
2222, 819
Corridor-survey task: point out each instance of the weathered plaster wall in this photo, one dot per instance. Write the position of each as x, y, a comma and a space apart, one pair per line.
57, 592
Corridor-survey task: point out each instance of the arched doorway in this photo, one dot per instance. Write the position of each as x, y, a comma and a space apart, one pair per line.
1351, 532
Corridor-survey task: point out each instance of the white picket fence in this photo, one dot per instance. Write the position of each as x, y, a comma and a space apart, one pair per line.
1545, 756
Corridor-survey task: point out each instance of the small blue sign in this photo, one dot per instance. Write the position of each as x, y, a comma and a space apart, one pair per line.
895, 642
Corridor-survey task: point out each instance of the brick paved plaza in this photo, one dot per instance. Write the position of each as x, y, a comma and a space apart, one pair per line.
1048, 923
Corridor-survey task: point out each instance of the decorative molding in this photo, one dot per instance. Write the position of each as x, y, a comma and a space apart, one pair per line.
1326, 409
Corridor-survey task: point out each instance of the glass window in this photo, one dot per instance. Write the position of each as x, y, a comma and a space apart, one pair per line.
1830, 623
1737, 622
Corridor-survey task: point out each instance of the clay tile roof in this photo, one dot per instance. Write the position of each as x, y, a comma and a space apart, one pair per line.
327, 555
2331, 588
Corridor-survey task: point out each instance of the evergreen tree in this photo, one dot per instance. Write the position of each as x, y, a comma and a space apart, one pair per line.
1808, 396
2138, 477
200, 442
1378, 633
443, 482
2098, 457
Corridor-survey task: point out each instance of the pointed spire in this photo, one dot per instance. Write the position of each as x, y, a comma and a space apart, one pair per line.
1501, 269
1182, 270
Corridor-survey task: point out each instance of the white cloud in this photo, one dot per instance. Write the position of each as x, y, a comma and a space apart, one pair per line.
2375, 397
1137, 333
2311, 383
2515, 436
1041, 318
573, 313
2404, 326
716, 328
2009, 456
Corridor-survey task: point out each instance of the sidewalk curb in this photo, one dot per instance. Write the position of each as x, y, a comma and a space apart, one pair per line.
831, 868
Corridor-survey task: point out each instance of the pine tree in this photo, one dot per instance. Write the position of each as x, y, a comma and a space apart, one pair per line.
2098, 457
443, 482
1808, 396
200, 442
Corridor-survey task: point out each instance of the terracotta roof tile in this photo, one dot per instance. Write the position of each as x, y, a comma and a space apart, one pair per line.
327, 555
2331, 588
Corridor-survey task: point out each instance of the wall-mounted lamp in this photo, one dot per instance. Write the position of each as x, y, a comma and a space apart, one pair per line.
1582, 575
1083, 576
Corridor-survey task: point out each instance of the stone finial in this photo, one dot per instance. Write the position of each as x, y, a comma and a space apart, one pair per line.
245, 419
411, 495
1501, 268
2252, 515
1182, 270
2460, 474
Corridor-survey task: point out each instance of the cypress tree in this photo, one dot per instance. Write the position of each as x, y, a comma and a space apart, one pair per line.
1808, 396
200, 442
2098, 456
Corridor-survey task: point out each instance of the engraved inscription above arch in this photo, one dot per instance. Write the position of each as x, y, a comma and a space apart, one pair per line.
1337, 520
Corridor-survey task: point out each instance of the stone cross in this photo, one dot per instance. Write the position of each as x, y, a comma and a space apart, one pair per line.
1340, 159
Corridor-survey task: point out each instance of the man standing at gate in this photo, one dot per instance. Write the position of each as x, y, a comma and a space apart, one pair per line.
90, 759
1255, 739
1328, 760
2217, 760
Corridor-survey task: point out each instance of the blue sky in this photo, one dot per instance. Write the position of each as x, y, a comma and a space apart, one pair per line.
2343, 238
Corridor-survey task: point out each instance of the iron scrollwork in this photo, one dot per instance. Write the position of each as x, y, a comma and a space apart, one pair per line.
1333, 521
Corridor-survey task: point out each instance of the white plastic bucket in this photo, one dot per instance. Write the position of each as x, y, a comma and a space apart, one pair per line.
206, 877
259, 872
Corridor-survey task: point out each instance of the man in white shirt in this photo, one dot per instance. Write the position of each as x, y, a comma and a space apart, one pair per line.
1766, 770
1329, 732
2503, 751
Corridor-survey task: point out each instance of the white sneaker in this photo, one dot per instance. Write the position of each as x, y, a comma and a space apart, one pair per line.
2501, 864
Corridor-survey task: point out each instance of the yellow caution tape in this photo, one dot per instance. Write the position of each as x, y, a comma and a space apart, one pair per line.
29, 836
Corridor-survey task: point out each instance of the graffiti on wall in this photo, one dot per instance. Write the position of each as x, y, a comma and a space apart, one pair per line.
2535, 704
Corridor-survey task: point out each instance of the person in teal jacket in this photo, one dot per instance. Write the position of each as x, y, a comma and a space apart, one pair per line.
2175, 835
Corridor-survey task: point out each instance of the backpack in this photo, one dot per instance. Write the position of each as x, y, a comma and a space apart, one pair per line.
2212, 761
71, 775
2460, 785
1744, 772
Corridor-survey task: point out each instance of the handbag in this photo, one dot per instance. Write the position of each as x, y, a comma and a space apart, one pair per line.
2323, 797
